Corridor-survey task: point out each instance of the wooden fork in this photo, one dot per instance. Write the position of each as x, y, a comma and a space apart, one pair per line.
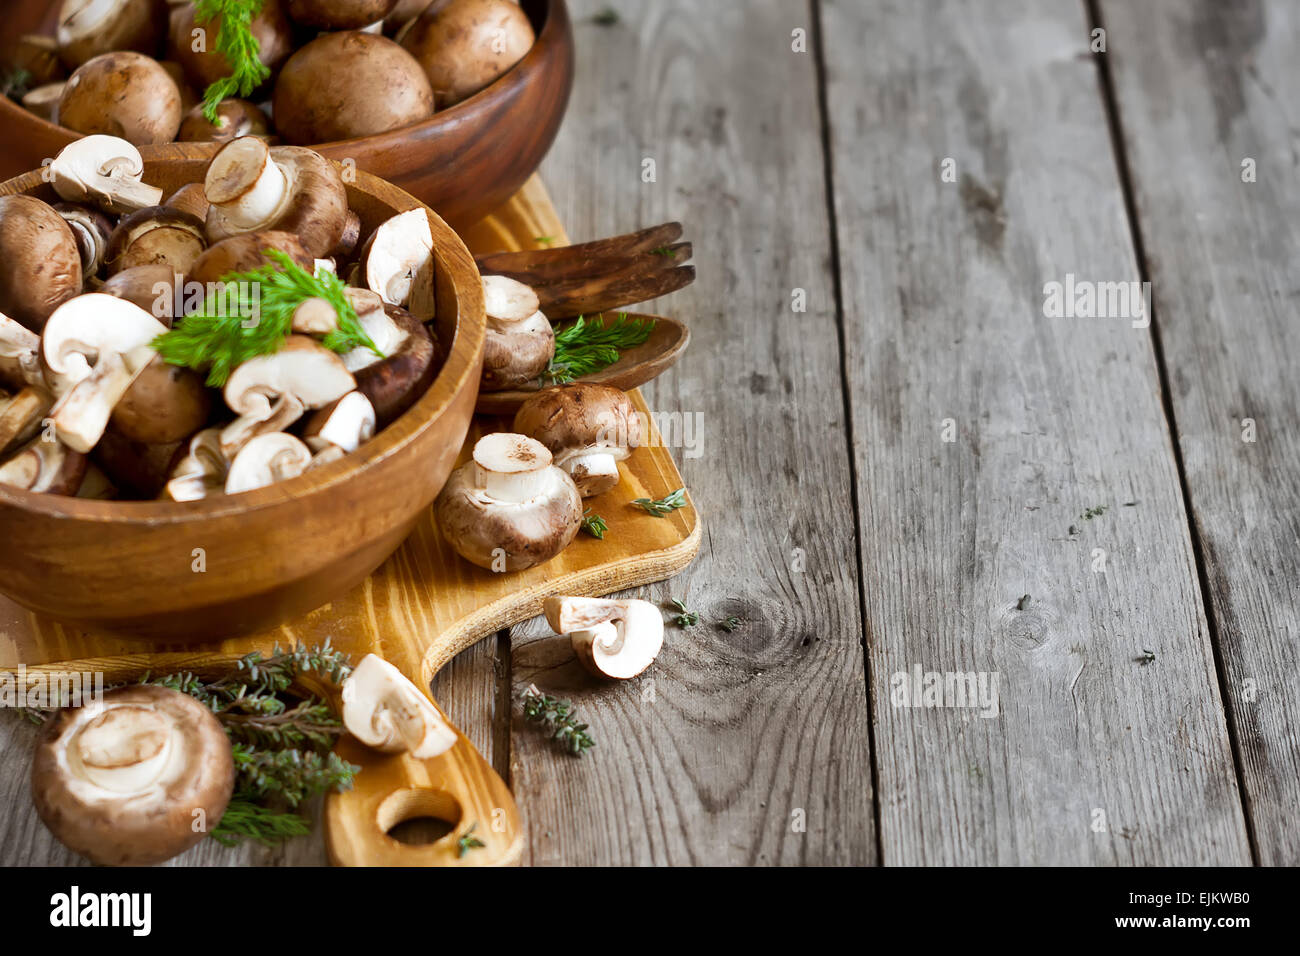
599, 276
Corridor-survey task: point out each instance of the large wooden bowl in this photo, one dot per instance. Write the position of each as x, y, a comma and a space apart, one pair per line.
186, 572
463, 162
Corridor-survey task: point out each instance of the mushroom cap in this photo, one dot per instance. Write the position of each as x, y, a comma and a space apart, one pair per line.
245, 252
570, 419
266, 459
235, 118
191, 199
88, 28
151, 287
40, 263
339, 14
516, 353
270, 28
165, 403
45, 466
83, 328
348, 85
396, 383
156, 235
44, 100
121, 783
464, 45
122, 94
139, 470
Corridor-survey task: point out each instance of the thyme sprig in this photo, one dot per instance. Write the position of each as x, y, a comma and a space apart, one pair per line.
594, 524
288, 775
559, 719
662, 506
468, 841
245, 819
235, 41
684, 617
586, 347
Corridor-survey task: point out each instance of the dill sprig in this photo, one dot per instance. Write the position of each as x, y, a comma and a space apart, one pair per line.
683, 617
235, 41
586, 347
594, 524
662, 506
245, 819
559, 719
235, 325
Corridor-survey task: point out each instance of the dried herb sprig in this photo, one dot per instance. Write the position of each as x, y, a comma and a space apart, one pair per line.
662, 506
235, 41
585, 347
594, 524
468, 841
289, 775
559, 719
245, 819
730, 624
684, 617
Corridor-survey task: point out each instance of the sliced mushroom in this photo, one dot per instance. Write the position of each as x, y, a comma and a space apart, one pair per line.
508, 300
91, 228
50, 467
81, 414
159, 235
20, 362
152, 288
399, 263
375, 321
588, 428
202, 472
43, 101
611, 638
122, 94
40, 264
235, 118
253, 187
245, 253
266, 459
315, 316
347, 424
104, 170
84, 329
21, 415
509, 508
89, 28
271, 392
138, 469
396, 382
384, 710
144, 775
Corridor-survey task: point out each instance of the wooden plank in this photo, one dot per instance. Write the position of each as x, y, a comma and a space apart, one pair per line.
747, 732
968, 561
1221, 253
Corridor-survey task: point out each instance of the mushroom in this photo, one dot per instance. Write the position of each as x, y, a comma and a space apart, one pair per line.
21, 415
245, 253
164, 403
611, 638
520, 342
339, 14
91, 228
158, 235
509, 508
253, 187
138, 469
235, 118
193, 44
152, 288
20, 362
190, 198
43, 100
50, 467
351, 236
271, 392
104, 170
588, 428
464, 45
266, 459
349, 85
81, 414
385, 711
404, 13
399, 263
40, 264
202, 472
122, 94
89, 28
396, 382
188, 97
346, 424
37, 56
135, 779
84, 329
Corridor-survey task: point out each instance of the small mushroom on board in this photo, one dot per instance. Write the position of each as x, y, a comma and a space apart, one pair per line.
89, 28
144, 776
40, 263
520, 342
104, 170
384, 710
616, 639
509, 508
45, 466
123, 94
266, 459
588, 428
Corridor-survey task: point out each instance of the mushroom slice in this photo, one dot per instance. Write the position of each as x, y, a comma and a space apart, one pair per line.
104, 170
266, 459
46, 466
588, 428
346, 424
20, 362
399, 265
88, 28
509, 508
316, 316
376, 322
508, 300
159, 235
612, 638
85, 328
44, 100
202, 472
21, 415
384, 710
142, 775
81, 414
396, 382
271, 392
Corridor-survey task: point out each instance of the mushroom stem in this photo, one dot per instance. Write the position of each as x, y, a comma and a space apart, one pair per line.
511, 468
248, 185
593, 467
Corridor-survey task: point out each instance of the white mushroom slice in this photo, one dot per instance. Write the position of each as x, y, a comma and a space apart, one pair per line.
507, 299
266, 459
315, 316
399, 266
611, 638
103, 170
375, 321
202, 472
82, 414
21, 415
271, 392
346, 424
46, 466
19, 359
384, 710
85, 328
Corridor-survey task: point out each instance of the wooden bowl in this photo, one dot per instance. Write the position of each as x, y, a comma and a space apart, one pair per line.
186, 572
463, 162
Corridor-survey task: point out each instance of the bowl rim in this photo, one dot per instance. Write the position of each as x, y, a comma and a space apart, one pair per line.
555, 23
462, 363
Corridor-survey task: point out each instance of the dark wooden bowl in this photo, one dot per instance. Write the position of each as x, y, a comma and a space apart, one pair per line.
271, 554
463, 162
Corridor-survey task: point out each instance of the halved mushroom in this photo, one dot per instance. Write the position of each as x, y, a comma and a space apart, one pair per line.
271, 392
158, 235
193, 44
235, 118
40, 264
190, 198
266, 459
509, 508
396, 382
21, 415
588, 428
464, 45
611, 638
384, 710
104, 170
20, 362
50, 467
152, 288
84, 329
346, 424
253, 187
141, 776
91, 228
399, 263
202, 472
43, 100
245, 253
88, 28
123, 94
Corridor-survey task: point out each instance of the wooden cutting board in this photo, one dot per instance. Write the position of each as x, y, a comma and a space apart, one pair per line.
419, 610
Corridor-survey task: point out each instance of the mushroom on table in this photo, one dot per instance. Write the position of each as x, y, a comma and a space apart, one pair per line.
612, 638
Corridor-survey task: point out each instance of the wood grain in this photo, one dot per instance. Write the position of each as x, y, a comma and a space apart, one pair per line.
969, 563
752, 732
1221, 253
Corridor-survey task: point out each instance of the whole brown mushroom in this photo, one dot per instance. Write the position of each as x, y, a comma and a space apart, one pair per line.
235, 118
247, 252
464, 45
122, 94
165, 403
197, 52
90, 28
588, 428
339, 14
40, 262
151, 287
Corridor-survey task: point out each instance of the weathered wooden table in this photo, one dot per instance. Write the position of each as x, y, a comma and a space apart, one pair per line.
911, 462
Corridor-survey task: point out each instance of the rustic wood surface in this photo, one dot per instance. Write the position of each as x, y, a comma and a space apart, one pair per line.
842, 521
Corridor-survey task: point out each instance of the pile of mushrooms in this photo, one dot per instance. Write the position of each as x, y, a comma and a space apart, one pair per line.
339, 69
87, 407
